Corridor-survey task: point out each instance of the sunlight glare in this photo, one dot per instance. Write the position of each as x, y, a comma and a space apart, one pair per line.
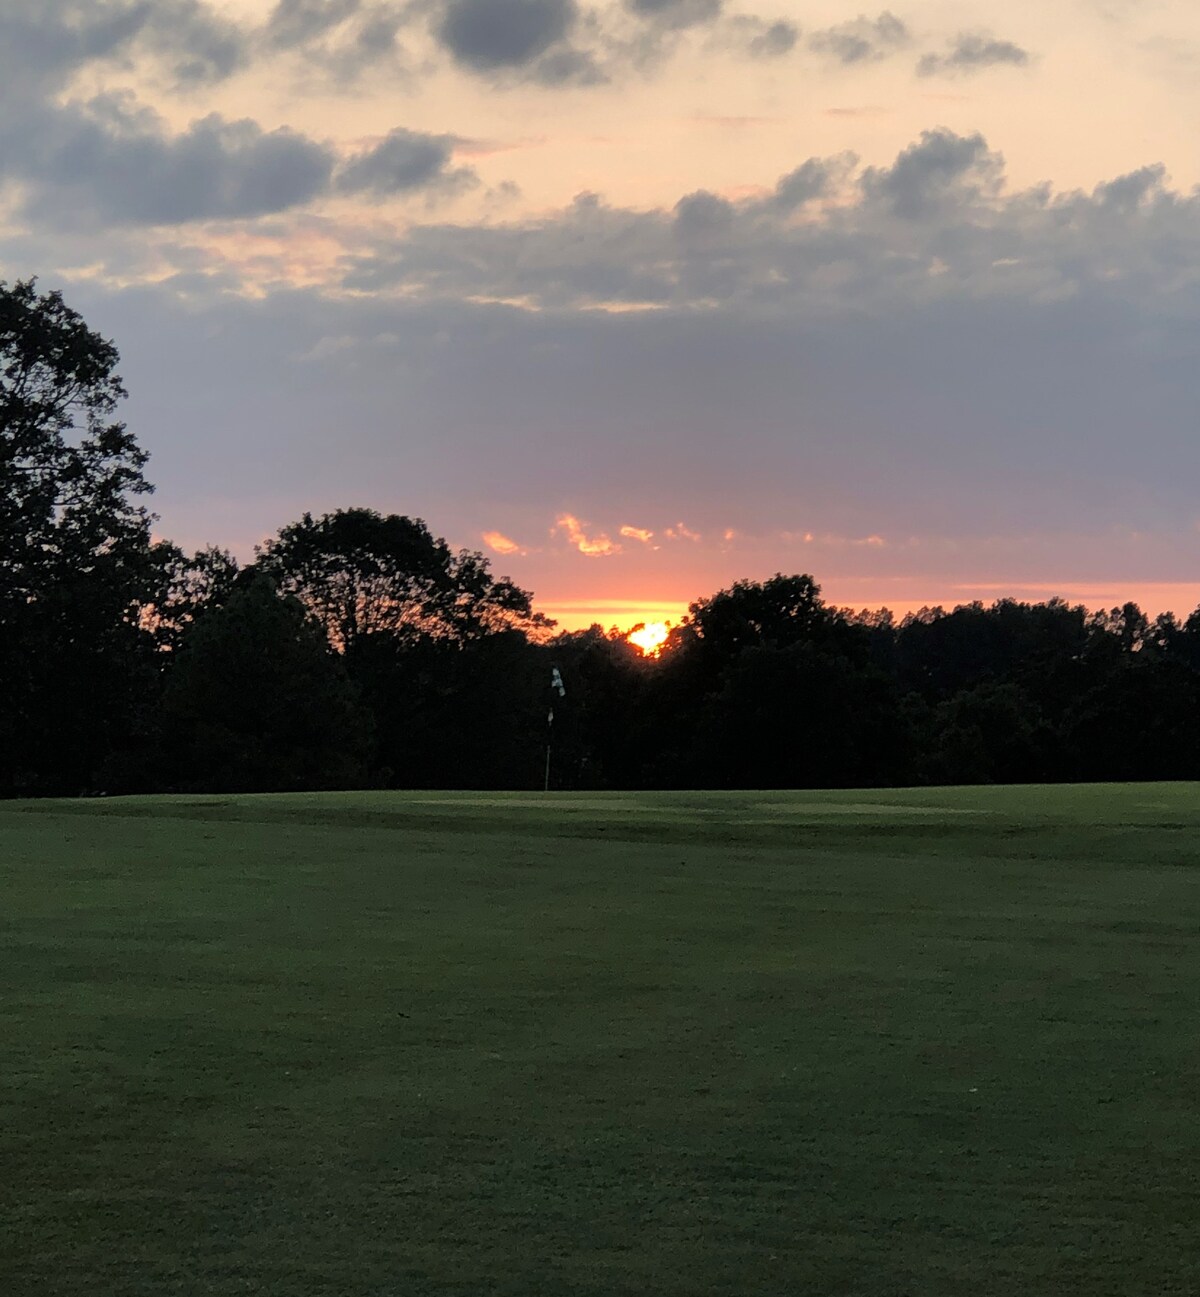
650, 637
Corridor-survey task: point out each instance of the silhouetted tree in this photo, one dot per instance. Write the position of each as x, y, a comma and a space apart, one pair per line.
75, 563
706, 663
257, 701
186, 586
606, 731
799, 717
360, 573
993, 733
453, 715
1180, 641
1127, 629
777, 613
1141, 723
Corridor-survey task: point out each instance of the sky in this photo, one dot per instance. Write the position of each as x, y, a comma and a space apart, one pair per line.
642, 297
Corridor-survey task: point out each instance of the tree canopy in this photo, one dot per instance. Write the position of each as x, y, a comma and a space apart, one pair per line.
258, 702
74, 545
361, 573
70, 471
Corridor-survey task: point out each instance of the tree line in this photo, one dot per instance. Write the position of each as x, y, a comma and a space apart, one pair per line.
360, 650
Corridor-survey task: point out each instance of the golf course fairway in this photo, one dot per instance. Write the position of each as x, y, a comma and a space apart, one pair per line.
876, 1044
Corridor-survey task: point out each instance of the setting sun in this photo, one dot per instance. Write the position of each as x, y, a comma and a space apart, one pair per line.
650, 637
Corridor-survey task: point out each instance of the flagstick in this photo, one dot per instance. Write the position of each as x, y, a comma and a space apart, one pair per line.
556, 686
549, 734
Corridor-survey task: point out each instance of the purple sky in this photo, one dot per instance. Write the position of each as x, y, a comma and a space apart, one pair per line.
644, 296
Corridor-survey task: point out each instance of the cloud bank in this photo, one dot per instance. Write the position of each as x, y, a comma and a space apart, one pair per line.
938, 223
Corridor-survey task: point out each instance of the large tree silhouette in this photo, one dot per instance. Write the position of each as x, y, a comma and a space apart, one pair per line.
361, 573
258, 702
74, 547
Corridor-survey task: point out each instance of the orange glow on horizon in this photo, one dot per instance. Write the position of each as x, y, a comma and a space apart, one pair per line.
621, 615
900, 595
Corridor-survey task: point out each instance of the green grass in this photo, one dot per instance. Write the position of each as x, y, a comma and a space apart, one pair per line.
925, 1043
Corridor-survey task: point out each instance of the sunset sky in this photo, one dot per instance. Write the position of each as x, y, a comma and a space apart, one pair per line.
642, 296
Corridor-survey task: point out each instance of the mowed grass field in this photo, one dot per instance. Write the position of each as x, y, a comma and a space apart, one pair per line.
926, 1043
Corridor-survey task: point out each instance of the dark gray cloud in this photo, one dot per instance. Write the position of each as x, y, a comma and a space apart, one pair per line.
109, 161
1128, 194
812, 179
377, 35
972, 52
703, 217
677, 13
942, 165
862, 39
502, 35
81, 165
198, 45
937, 223
44, 42
404, 161
773, 40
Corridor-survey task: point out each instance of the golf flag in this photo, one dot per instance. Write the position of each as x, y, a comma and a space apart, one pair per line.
555, 683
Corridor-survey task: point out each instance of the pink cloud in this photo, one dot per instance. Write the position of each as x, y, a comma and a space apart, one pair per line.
637, 533
499, 543
598, 546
